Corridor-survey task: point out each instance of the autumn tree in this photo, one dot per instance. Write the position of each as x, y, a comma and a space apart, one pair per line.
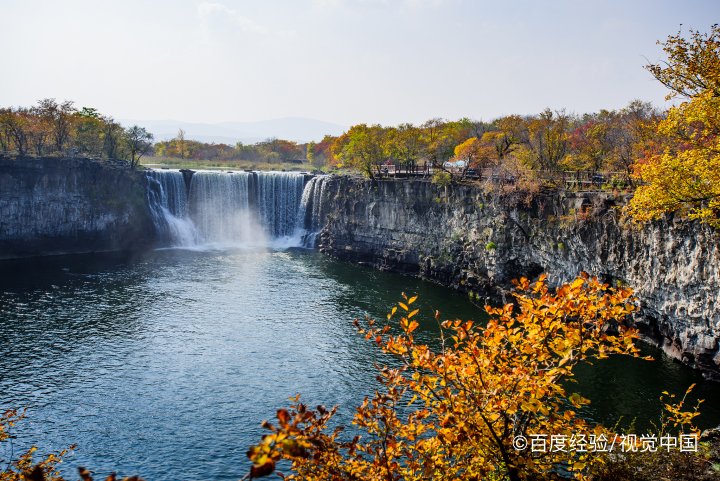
139, 143
289, 150
5, 136
685, 176
89, 131
61, 117
635, 135
404, 143
475, 153
278, 150
16, 125
440, 138
52, 127
591, 143
504, 135
180, 142
323, 153
25, 467
310, 156
487, 389
362, 147
693, 65
547, 140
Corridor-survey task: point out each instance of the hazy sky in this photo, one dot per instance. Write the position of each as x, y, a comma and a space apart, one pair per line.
341, 61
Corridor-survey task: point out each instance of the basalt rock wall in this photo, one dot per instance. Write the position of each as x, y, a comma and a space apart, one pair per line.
61, 206
473, 241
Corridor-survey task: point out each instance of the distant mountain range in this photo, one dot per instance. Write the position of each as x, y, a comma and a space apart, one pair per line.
296, 129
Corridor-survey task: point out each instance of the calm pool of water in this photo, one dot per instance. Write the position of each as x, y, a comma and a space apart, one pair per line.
164, 364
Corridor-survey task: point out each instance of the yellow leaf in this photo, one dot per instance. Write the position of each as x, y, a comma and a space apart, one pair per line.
403, 306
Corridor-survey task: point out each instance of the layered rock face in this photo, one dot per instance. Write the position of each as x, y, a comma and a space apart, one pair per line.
63, 206
472, 241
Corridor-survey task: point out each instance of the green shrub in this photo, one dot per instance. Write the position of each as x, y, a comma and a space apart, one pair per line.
491, 246
441, 179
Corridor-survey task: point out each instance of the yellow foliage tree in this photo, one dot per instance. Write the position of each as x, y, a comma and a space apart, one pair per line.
693, 65
547, 141
686, 175
362, 147
511, 132
486, 392
475, 153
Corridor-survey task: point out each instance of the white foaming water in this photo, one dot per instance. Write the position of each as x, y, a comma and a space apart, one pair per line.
168, 204
219, 207
278, 201
310, 213
219, 210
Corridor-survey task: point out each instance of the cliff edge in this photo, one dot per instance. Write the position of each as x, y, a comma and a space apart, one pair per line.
65, 206
476, 242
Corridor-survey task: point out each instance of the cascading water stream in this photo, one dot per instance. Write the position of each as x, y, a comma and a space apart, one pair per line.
167, 199
311, 207
241, 208
279, 196
219, 207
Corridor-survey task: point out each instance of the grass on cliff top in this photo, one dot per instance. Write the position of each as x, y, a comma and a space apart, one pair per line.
232, 164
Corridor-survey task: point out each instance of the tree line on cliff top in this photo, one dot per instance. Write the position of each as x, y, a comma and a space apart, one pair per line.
51, 128
271, 150
59, 128
552, 140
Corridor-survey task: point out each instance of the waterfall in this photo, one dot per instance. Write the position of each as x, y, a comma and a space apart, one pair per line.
220, 207
310, 217
279, 196
167, 199
239, 208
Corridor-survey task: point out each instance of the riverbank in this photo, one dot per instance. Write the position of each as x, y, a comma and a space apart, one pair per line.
465, 238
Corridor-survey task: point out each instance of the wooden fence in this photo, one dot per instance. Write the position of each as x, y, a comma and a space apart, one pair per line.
569, 178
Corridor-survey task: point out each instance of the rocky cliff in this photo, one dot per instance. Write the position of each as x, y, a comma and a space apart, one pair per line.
476, 242
61, 206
